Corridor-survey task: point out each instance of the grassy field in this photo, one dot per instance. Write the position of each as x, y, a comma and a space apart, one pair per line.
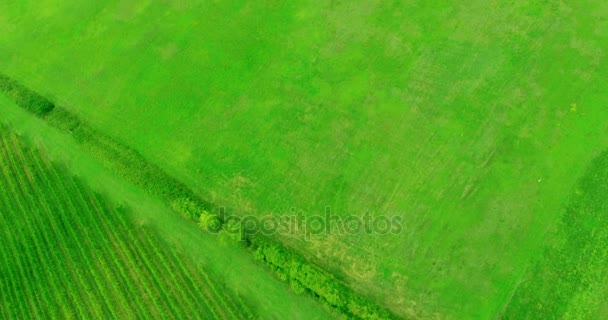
69, 254
471, 121
568, 281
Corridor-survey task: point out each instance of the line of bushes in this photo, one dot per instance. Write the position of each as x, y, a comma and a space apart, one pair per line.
304, 277
132, 166
125, 161
129, 164
25, 98
135, 168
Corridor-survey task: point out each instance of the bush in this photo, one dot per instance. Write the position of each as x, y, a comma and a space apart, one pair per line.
233, 230
132, 166
63, 120
304, 277
210, 222
25, 98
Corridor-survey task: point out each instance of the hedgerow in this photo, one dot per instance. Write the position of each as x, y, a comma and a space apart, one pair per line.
135, 168
24, 97
321, 285
63, 120
125, 161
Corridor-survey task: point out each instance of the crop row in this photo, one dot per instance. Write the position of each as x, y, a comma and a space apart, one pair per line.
20, 267
69, 254
62, 237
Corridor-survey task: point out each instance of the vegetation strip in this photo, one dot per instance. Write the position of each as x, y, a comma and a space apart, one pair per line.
129, 164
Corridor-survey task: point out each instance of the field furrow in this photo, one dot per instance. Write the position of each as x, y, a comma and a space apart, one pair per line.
55, 251
70, 254
28, 272
59, 242
75, 210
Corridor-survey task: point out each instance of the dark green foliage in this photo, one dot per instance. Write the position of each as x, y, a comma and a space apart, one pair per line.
24, 97
125, 161
305, 277
63, 120
210, 222
132, 166
233, 230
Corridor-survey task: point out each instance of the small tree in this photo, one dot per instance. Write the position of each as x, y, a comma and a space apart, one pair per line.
210, 222
233, 230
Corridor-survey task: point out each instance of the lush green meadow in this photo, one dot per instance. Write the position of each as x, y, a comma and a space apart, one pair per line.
569, 279
470, 120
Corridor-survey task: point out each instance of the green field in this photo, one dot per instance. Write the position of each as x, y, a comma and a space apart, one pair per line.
68, 254
472, 121
568, 281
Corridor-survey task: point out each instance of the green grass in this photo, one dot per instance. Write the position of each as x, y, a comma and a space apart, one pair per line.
471, 120
67, 253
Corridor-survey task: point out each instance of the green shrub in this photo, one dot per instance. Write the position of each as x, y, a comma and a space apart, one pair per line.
63, 120
324, 287
136, 169
233, 230
210, 222
24, 97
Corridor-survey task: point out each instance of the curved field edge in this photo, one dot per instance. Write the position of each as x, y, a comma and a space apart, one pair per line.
231, 263
68, 253
568, 281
